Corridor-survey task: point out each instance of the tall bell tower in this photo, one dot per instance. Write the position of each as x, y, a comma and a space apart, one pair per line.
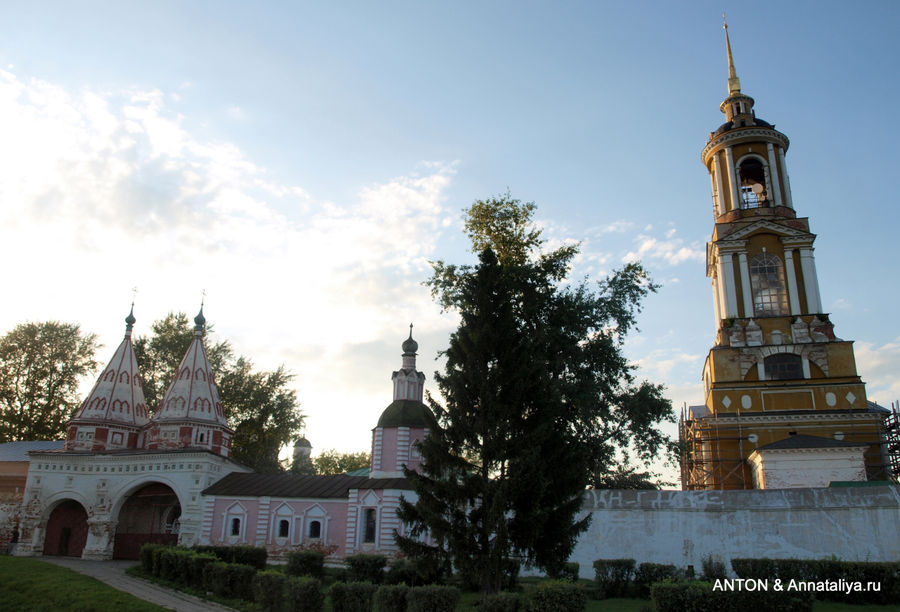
784, 405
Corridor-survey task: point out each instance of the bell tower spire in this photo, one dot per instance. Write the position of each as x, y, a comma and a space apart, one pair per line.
734, 83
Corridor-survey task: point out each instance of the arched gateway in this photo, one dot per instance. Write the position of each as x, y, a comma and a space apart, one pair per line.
67, 530
137, 479
150, 515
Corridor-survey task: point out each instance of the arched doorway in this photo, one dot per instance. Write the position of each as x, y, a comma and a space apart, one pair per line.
149, 515
67, 530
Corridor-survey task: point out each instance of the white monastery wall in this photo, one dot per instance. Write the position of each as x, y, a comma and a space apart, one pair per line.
684, 527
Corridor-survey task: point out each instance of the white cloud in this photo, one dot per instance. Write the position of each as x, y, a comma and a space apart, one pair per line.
671, 250
102, 191
878, 366
616, 227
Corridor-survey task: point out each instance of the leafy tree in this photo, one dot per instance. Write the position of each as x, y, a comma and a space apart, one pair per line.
625, 476
264, 412
538, 397
41, 365
332, 462
260, 406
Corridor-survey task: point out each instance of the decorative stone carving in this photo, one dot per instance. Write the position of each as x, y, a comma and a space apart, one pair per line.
754, 334
736, 335
822, 331
800, 331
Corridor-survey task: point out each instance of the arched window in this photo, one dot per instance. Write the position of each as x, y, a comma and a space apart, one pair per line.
283, 528
315, 530
783, 366
753, 183
235, 527
767, 283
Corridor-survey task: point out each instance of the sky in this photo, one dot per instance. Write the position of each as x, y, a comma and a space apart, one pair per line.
302, 163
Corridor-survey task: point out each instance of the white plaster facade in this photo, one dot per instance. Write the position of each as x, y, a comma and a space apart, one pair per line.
102, 483
806, 467
684, 527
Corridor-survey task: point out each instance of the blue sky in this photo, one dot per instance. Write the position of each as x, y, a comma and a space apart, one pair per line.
302, 163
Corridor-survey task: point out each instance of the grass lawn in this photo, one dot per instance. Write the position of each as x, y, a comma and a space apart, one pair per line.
32, 585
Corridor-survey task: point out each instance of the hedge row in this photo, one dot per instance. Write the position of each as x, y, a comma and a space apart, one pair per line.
619, 578
202, 570
701, 597
365, 596
245, 555
885, 575
275, 591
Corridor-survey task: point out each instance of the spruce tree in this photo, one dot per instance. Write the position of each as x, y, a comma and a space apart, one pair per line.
537, 398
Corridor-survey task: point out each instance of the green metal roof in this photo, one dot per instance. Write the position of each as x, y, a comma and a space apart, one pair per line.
407, 413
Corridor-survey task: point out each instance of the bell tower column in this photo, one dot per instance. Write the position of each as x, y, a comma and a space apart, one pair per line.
791, 281
776, 184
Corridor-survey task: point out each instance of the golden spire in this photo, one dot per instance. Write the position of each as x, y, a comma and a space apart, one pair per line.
734, 83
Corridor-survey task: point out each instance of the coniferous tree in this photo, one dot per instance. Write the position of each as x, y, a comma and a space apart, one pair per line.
538, 397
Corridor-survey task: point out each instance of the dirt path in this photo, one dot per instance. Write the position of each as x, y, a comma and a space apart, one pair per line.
113, 574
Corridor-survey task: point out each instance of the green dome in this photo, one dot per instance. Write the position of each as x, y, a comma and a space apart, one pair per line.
407, 413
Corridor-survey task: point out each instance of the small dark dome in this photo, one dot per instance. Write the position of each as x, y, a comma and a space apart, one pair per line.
130, 320
200, 320
407, 413
757, 122
302, 443
410, 346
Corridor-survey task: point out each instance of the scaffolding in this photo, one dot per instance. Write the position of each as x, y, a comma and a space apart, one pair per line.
891, 437
705, 464
713, 456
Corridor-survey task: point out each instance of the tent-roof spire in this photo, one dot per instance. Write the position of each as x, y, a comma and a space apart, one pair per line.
734, 83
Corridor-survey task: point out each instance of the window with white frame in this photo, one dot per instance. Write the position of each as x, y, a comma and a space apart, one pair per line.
767, 284
234, 522
369, 524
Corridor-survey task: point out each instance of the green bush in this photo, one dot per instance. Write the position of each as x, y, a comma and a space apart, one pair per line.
366, 568
556, 596
713, 568
183, 560
229, 579
306, 563
391, 598
195, 568
648, 574
156, 555
244, 555
613, 577
886, 575
215, 577
304, 594
168, 564
754, 568
471, 576
146, 557
502, 602
352, 596
700, 597
268, 590
568, 571
432, 598
416, 572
